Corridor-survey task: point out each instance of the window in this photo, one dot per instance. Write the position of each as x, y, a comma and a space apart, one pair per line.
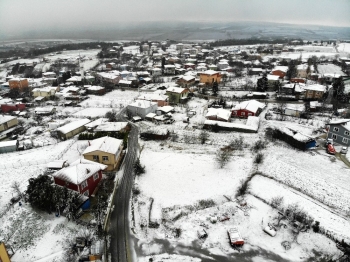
347, 133
86, 193
250, 114
104, 158
345, 140
95, 158
84, 184
242, 113
96, 176
334, 136
336, 129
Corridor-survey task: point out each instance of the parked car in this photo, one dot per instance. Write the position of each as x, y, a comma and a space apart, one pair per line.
235, 237
330, 149
344, 150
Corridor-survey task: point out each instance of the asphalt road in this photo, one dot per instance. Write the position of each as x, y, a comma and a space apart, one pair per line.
119, 229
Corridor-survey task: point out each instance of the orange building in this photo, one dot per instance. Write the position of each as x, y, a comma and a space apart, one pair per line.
18, 83
208, 77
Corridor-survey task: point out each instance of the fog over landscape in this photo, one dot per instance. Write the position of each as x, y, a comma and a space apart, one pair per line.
156, 19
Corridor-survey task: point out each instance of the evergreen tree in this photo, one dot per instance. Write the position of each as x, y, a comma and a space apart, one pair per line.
292, 70
215, 88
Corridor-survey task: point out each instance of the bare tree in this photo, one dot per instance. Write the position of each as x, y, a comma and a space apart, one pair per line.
203, 136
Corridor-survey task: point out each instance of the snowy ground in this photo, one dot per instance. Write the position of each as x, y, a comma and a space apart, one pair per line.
179, 175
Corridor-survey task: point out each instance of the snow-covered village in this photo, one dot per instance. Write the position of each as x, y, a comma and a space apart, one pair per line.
175, 150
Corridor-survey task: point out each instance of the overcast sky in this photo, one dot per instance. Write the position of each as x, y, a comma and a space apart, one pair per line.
60, 14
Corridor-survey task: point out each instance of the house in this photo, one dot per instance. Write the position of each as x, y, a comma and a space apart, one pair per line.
69, 130
45, 92
112, 77
20, 83
110, 66
160, 99
6, 108
210, 76
95, 90
315, 91
248, 108
177, 94
169, 69
105, 150
218, 114
49, 75
280, 71
186, 81
156, 71
294, 110
273, 80
75, 79
8, 146
142, 107
81, 176
7, 122
304, 70
125, 83
113, 127
45, 111
339, 131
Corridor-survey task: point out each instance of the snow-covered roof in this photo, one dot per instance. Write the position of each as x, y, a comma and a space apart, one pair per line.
73, 125
45, 89
188, 78
219, 112
56, 164
338, 121
96, 122
105, 144
178, 90
251, 105
142, 104
209, 72
125, 82
5, 119
169, 66
79, 172
153, 96
166, 109
111, 126
8, 143
281, 68
74, 79
273, 77
94, 88
151, 115
316, 87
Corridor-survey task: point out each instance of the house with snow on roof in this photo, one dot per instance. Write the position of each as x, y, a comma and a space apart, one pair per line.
160, 99
177, 94
7, 122
45, 92
248, 108
314, 92
272, 80
81, 176
105, 150
303, 71
73, 128
339, 131
142, 107
210, 76
186, 81
169, 69
218, 114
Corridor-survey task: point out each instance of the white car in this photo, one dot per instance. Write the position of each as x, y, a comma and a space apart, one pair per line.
344, 150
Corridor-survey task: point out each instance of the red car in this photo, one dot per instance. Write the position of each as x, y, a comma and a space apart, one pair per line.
330, 149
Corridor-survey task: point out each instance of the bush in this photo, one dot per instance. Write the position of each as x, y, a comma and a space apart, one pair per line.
138, 168
276, 202
258, 158
316, 227
243, 188
206, 203
237, 143
259, 145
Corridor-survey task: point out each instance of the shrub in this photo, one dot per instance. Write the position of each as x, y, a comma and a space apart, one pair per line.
316, 227
243, 188
259, 145
237, 143
276, 202
258, 158
138, 168
205, 203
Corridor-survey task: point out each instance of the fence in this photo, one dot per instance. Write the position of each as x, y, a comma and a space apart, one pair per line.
19, 163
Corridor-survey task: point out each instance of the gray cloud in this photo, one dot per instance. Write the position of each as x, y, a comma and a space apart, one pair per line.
21, 15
